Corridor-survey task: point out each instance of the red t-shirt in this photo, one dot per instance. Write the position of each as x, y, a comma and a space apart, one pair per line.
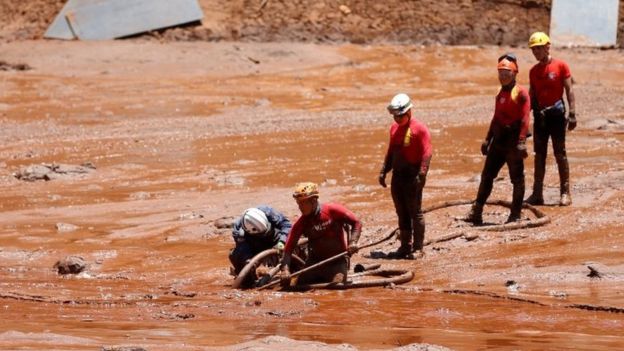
547, 81
412, 142
512, 106
324, 230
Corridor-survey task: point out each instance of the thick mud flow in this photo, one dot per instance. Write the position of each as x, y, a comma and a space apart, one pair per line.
181, 137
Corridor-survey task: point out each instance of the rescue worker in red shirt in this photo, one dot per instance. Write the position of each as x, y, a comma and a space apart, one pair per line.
505, 142
408, 156
325, 225
549, 78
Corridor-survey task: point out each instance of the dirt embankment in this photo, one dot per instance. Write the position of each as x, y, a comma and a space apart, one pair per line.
502, 22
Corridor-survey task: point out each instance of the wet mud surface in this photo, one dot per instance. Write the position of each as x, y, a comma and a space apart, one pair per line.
183, 137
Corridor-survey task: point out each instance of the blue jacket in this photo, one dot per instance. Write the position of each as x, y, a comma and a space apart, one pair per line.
280, 228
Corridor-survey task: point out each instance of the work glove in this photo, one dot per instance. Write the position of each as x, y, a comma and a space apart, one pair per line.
522, 149
484, 147
352, 249
382, 179
285, 276
571, 121
279, 246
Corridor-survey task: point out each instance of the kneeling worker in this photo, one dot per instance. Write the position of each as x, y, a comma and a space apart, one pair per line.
325, 226
258, 229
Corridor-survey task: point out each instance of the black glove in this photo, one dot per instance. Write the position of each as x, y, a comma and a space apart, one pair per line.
484, 147
382, 179
571, 121
522, 150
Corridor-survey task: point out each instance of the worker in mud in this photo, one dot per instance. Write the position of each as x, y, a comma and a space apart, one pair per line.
258, 229
505, 142
331, 229
549, 78
408, 156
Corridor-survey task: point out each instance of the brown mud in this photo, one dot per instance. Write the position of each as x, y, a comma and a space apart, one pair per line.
182, 135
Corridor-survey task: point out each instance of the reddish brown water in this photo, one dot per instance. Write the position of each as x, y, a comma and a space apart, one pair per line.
184, 134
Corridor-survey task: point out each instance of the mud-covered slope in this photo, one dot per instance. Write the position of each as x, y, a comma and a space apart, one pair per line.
507, 22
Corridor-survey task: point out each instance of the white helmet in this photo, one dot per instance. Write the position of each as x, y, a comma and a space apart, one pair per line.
400, 104
255, 222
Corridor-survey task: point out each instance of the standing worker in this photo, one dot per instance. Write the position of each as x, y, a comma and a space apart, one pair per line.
505, 141
325, 225
408, 156
548, 79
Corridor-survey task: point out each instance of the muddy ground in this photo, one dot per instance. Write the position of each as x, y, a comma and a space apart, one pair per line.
177, 136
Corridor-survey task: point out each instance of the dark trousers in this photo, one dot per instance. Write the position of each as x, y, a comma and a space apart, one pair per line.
407, 198
494, 161
553, 125
326, 273
239, 256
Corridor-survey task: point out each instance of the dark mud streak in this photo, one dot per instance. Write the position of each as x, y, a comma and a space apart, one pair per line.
37, 298
494, 295
597, 308
592, 308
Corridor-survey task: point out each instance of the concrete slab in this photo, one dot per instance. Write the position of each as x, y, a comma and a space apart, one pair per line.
110, 19
584, 23
60, 29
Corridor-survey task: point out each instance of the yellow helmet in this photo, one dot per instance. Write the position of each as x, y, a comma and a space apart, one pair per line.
538, 39
305, 190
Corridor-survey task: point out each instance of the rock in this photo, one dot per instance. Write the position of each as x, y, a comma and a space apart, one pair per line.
52, 171
70, 265
34, 173
558, 294
512, 286
65, 227
344, 9
191, 215
141, 195
5, 66
224, 222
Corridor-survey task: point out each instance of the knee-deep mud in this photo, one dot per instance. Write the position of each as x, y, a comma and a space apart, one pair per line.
181, 135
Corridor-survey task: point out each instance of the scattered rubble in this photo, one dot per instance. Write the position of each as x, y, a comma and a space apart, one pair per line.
5, 66
47, 171
70, 265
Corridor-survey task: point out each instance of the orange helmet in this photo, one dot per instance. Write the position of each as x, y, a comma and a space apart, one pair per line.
305, 190
508, 65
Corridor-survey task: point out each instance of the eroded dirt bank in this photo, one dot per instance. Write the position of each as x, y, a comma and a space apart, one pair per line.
182, 135
501, 22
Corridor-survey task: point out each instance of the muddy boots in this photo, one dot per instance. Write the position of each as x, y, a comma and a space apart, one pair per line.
516, 202
475, 216
564, 181
537, 197
405, 250
419, 236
